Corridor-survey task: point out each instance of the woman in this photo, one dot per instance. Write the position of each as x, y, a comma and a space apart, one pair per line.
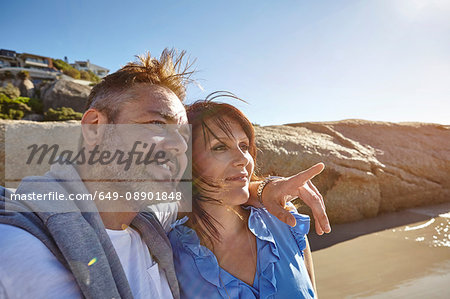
224, 250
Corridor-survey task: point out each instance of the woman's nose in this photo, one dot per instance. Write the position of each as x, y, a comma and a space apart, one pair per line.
240, 158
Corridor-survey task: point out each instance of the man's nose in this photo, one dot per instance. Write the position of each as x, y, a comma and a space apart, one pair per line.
175, 141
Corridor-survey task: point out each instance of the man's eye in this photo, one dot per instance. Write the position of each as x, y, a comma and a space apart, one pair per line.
157, 122
219, 148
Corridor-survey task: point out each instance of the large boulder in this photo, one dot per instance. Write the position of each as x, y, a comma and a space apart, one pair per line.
17, 135
64, 93
26, 88
371, 167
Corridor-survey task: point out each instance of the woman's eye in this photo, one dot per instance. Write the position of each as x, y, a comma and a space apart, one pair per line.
244, 147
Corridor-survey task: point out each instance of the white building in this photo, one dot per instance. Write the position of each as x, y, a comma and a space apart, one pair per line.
88, 66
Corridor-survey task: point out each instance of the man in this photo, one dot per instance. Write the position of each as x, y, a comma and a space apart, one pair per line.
117, 250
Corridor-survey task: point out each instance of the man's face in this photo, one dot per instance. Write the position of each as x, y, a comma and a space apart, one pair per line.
156, 117
151, 120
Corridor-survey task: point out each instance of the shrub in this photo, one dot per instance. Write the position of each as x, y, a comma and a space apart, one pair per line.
61, 64
66, 68
12, 114
23, 75
93, 77
12, 109
85, 75
4, 99
24, 100
10, 91
61, 114
74, 73
36, 105
90, 76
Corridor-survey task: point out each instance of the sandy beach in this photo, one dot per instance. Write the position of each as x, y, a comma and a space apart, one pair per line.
397, 255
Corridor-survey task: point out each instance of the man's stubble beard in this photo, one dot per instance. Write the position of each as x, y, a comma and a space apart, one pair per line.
113, 177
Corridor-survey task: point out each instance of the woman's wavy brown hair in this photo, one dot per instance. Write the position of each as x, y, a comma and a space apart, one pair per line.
199, 115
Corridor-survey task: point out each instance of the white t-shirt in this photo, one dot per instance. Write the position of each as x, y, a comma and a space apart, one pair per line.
144, 276
28, 269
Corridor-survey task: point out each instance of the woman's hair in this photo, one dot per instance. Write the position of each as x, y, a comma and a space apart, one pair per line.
201, 115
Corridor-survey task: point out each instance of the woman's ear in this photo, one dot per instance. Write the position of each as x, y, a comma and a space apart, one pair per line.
93, 125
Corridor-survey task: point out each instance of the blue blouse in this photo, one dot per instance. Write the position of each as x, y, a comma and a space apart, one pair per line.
280, 272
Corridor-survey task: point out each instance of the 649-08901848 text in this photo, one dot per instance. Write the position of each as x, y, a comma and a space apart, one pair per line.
158, 196
56, 196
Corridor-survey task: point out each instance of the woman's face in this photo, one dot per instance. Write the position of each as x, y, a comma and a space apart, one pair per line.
225, 161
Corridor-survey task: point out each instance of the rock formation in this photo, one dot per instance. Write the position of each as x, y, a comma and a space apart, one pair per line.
371, 167
26, 88
17, 135
63, 93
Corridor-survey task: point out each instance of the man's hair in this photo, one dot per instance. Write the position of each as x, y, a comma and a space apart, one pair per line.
169, 71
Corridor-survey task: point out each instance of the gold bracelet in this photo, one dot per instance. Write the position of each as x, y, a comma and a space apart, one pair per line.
262, 185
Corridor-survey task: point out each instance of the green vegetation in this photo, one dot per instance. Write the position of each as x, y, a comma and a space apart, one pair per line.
13, 106
36, 105
10, 91
66, 68
94, 77
12, 109
74, 73
85, 75
62, 114
89, 76
18, 107
61, 65
23, 75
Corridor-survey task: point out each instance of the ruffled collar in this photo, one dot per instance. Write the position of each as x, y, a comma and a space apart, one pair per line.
208, 266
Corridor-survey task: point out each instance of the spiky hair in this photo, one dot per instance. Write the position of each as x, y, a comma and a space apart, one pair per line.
169, 71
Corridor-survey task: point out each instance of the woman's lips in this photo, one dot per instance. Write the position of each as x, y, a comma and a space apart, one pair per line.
238, 178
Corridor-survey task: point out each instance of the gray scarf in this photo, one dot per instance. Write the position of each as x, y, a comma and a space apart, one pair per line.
76, 238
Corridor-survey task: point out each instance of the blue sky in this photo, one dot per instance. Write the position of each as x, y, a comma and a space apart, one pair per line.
293, 61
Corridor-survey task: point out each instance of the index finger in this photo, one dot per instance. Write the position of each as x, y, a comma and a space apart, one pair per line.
301, 178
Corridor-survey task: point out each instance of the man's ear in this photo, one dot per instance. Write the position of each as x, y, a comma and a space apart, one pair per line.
93, 124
